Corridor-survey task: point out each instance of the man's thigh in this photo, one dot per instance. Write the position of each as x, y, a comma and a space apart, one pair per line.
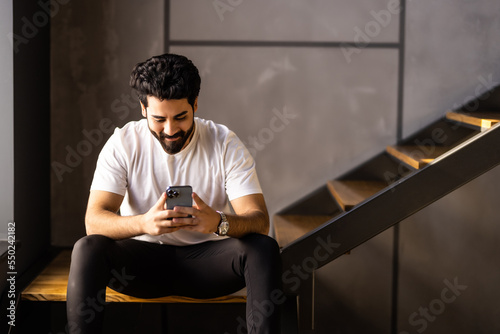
149, 270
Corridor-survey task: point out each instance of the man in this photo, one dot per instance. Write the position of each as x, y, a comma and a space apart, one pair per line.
136, 246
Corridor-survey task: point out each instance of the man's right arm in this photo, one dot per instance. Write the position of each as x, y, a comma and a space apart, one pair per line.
102, 217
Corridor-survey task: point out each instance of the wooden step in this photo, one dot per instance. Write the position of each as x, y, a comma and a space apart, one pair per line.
483, 120
288, 228
52, 283
416, 156
349, 193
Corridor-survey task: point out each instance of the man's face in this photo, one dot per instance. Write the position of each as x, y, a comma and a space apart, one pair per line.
171, 122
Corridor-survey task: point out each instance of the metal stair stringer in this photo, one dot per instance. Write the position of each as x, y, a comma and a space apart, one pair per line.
396, 202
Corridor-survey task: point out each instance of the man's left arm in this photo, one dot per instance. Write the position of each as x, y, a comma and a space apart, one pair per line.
250, 216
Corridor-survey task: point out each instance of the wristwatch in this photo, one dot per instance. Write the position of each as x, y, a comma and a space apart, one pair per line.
223, 227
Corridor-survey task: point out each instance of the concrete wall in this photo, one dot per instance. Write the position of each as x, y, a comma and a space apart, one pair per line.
310, 108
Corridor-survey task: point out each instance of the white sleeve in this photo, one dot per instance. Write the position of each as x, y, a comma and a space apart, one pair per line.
239, 165
111, 169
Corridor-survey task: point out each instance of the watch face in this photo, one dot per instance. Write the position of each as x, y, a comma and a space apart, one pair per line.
224, 227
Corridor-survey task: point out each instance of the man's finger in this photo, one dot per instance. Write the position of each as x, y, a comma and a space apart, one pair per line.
198, 201
181, 221
161, 201
185, 210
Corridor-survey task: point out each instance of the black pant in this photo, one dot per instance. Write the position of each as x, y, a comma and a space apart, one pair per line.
149, 270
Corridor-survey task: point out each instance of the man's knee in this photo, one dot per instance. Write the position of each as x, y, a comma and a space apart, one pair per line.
90, 246
262, 241
262, 245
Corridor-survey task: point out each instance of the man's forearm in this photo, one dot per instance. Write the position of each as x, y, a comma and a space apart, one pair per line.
254, 222
112, 225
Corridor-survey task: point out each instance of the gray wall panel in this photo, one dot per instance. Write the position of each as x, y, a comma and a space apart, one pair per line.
284, 20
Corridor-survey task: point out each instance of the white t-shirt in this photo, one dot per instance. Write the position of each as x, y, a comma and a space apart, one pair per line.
215, 163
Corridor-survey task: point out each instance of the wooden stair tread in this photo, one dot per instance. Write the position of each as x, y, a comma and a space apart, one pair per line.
349, 193
416, 156
484, 120
291, 227
52, 283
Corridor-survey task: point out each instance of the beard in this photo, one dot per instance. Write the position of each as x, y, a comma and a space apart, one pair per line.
173, 147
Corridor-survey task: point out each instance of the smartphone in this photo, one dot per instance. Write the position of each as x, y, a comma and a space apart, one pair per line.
179, 196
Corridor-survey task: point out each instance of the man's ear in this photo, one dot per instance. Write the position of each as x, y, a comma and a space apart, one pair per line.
195, 105
143, 110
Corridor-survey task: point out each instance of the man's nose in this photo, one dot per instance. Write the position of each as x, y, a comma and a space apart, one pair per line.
170, 128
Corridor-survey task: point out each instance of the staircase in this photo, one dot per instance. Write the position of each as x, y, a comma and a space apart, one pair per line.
405, 178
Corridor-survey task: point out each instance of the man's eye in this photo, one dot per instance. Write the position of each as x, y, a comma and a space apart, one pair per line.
181, 118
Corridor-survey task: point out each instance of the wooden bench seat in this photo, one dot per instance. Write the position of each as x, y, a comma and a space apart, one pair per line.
52, 282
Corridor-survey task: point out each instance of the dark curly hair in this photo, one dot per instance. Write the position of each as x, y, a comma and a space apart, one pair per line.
168, 76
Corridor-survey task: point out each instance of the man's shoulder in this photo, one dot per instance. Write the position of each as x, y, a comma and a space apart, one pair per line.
130, 130
211, 128
128, 135
133, 126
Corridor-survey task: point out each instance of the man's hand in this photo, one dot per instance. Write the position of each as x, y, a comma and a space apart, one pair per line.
158, 220
250, 216
205, 219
